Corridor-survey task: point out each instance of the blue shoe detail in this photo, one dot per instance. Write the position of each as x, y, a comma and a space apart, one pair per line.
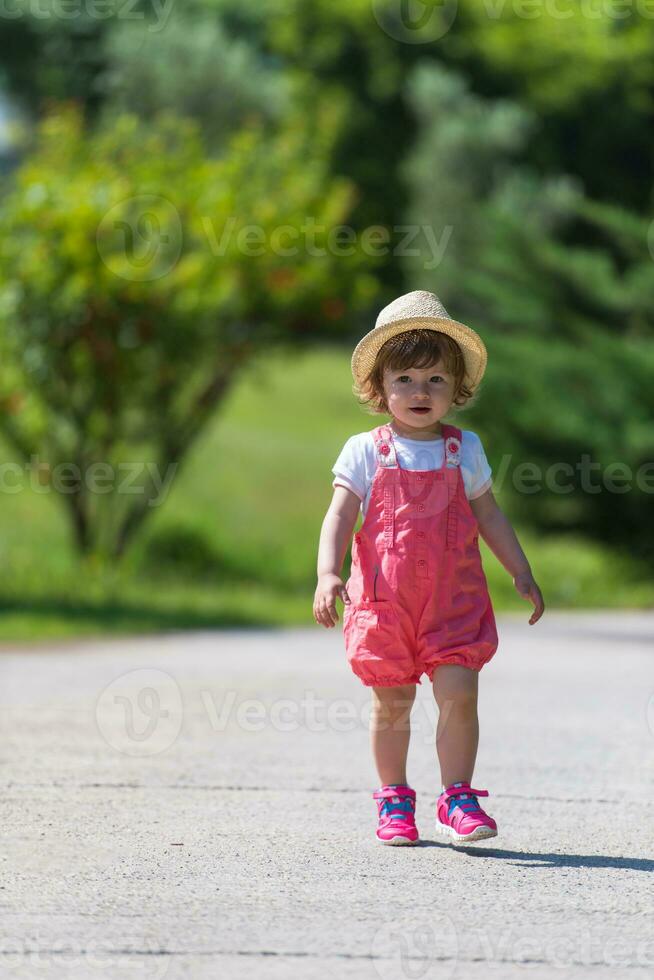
396, 810
468, 803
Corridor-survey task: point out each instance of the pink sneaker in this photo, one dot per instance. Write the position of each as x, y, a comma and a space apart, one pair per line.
396, 805
459, 816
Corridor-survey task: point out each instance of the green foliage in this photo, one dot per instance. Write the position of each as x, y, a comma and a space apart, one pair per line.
569, 328
235, 543
184, 552
558, 53
531, 164
130, 300
219, 80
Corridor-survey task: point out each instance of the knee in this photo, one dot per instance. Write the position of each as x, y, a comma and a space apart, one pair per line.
392, 701
456, 691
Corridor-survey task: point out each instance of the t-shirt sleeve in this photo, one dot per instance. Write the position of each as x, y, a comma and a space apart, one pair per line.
349, 469
481, 472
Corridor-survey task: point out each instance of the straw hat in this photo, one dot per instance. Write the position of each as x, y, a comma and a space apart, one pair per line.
419, 310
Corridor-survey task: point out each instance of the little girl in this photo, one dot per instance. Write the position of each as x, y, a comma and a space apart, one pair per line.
417, 599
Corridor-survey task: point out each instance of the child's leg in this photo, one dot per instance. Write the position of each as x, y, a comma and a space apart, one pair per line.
457, 735
390, 731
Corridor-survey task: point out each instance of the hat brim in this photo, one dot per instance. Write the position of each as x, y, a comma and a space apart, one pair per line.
471, 344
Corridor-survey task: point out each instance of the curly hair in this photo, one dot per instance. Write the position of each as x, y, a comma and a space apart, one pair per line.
413, 348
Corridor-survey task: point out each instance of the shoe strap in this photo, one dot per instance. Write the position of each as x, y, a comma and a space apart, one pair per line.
385, 792
465, 788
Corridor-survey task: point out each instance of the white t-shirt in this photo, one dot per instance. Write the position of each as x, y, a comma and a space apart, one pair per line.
357, 462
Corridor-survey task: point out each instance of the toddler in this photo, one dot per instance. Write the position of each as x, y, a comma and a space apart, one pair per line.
417, 599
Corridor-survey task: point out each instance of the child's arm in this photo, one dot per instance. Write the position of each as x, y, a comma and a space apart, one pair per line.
335, 536
497, 532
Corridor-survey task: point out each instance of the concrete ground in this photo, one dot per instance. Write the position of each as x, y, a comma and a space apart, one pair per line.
200, 806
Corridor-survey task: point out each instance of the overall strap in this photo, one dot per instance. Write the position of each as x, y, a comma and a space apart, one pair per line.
451, 460
452, 437
387, 457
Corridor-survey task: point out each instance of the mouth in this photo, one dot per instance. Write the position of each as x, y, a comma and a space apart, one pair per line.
420, 411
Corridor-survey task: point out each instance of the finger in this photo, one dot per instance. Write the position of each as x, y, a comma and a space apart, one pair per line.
323, 611
539, 605
320, 616
333, 615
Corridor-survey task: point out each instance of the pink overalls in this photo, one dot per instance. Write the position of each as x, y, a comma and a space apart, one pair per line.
418, 592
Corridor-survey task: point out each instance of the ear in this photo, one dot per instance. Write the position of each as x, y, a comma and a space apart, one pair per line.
381, 399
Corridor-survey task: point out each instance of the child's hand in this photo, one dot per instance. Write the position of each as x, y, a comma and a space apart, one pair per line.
527, 588
324, 600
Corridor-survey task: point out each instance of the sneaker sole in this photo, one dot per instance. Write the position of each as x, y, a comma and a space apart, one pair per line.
398, 840
481, 833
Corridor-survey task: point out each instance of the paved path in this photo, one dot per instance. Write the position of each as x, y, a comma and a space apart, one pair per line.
200, 806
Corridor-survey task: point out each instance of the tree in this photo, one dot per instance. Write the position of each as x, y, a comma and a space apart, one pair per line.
569, 327
220, 77
132, 293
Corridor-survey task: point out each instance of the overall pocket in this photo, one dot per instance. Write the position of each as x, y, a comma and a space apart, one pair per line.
373, 628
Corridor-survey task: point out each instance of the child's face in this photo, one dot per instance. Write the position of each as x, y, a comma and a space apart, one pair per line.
430, 389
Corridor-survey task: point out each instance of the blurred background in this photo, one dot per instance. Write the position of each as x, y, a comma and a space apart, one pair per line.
203, 206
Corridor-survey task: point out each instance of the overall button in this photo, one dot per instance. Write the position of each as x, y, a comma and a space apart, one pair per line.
422, 561
420, 534
421, 506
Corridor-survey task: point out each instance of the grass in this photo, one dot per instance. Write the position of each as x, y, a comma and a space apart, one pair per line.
234, 543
